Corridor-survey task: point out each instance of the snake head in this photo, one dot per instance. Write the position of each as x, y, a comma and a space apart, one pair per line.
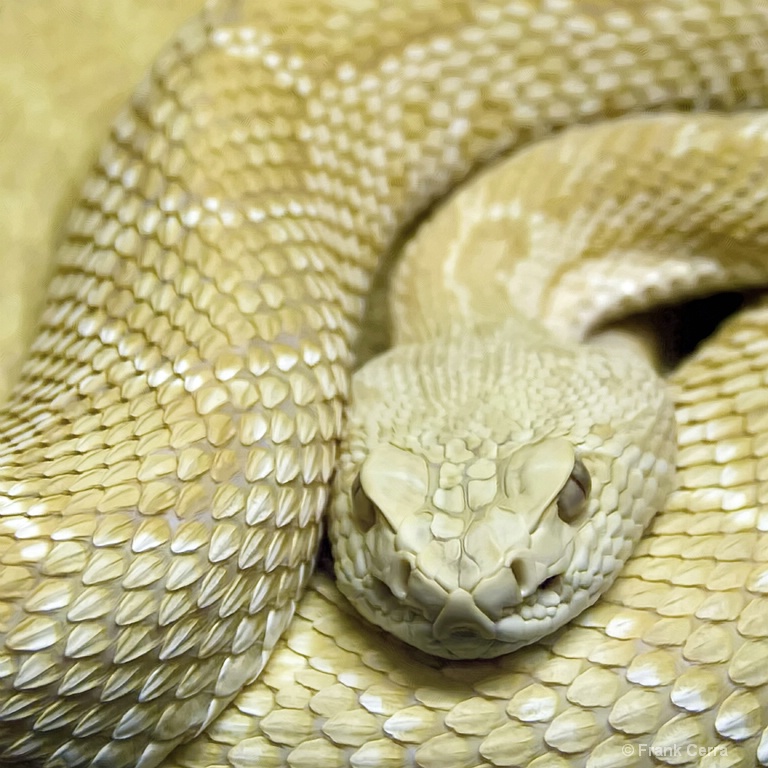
456, 552
468, 530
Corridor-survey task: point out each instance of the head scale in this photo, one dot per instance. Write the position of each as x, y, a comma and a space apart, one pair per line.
470, 531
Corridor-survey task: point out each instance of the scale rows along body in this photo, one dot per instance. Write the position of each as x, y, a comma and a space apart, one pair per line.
166, 455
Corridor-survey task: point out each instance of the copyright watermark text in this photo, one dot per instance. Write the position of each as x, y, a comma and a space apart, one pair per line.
672, 750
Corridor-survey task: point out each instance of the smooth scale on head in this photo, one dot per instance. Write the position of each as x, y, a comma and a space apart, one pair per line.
493, 484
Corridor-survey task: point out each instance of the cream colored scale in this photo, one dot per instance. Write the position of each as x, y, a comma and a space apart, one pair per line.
168, 450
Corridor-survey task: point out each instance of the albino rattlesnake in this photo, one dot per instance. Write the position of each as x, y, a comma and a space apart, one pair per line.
192, 360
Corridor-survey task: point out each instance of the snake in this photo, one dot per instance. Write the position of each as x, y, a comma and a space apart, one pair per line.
170, 447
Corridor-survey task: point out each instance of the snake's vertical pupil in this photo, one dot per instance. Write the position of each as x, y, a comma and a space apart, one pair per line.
572, 500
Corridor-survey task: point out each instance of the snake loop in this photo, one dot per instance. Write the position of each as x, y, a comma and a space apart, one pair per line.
166, 456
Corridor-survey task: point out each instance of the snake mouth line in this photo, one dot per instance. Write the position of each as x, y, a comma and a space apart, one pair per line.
544, 604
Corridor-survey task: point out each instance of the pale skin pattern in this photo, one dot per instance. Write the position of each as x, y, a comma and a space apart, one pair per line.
173, 310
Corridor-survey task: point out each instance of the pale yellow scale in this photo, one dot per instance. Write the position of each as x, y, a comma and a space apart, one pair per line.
167, 453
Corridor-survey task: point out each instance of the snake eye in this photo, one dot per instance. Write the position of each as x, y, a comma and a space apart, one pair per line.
573, 498
363, 509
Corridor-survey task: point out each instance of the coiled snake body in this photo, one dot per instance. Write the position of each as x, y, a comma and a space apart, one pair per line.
167, 451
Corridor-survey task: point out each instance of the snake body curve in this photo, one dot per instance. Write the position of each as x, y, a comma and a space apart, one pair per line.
187, 386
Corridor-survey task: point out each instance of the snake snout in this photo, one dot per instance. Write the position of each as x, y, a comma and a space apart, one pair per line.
511, 585
461, 620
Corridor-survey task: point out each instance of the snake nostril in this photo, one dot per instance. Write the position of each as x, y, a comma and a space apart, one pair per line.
380, 589
399, 574
521, 570
394, 584
553, 583
525, 575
